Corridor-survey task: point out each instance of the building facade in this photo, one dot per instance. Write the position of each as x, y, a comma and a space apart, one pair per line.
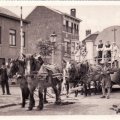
111, 34
10, 35
45, 21
89, 42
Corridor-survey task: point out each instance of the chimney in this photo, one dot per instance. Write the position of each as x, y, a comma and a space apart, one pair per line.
73, 12
88, 32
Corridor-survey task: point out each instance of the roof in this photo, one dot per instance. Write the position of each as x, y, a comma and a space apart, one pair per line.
8, 14
107, 34
59, 12
91, 37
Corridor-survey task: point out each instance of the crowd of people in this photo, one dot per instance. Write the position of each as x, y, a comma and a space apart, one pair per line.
108, 57
107, 51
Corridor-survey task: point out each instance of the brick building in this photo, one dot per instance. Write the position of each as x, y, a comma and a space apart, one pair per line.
10, 35
45, 21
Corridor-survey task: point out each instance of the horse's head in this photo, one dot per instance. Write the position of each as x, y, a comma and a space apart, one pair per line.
13, 68
83, 68
33, 64
17, 66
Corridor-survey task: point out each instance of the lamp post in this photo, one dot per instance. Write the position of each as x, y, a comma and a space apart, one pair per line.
53, 41
114, 31
21, 34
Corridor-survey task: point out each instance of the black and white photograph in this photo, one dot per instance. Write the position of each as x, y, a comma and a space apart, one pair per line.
59, 59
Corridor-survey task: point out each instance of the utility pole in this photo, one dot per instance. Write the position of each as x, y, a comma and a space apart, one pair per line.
21, 34
114, 30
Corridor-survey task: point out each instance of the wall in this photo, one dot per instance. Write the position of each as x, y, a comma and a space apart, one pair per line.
90, 55
43, 23
7, 51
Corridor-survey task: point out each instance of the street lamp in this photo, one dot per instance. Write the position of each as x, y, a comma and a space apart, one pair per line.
53, 37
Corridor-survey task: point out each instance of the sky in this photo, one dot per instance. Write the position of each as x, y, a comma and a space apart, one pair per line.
94, 17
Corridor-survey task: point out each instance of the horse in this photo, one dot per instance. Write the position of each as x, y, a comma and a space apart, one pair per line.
86, 75
72, 76
18, 66
41, 79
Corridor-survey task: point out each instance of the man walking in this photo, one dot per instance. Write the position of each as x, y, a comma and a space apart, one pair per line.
4, 79
106, 80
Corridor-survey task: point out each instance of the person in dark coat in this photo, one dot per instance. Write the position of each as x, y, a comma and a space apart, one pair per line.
4, 79
100, 51
107, 50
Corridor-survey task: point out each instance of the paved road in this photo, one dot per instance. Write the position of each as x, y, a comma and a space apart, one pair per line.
91, 105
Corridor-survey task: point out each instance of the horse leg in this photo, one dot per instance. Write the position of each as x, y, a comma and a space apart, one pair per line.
45, 91
32, 101
96, 87
89, 89
82, 91
59, 89
23, 98
76, 91
85, 89
67, 88
41, 100
58, 100
25, 94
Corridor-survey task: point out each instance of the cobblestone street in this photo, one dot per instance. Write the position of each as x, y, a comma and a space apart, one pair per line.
91, 105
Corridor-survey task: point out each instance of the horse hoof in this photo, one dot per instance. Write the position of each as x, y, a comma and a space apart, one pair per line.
22, 106
29, 109
39, 108
45, 101
57, 103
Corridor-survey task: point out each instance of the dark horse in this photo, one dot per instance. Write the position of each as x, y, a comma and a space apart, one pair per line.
85, 75
18, 66
91, 78
41, 79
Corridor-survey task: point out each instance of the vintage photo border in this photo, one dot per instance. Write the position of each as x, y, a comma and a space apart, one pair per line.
61, 3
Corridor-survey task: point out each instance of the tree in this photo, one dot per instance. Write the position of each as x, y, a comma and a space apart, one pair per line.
44, 47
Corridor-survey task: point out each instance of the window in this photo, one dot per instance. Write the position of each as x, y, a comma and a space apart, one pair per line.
71, 28
12, 37
67, 46
0, 34
75, 26
23, 39
67, 23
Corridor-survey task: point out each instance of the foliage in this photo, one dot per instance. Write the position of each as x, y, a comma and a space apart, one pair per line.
44, 47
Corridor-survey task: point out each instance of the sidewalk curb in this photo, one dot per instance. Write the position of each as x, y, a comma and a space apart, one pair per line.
9, 105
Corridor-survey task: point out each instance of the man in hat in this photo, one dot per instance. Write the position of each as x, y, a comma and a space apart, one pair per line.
107, 50
106, 80
99, 51
4, 79
115, 54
